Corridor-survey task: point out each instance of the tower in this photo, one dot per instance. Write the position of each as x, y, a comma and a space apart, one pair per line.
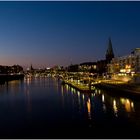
109, 52
31, 68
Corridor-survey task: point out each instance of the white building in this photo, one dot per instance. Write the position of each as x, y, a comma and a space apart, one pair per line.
126, 66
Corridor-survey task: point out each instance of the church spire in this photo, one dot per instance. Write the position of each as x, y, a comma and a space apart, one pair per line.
109, 52
31, 68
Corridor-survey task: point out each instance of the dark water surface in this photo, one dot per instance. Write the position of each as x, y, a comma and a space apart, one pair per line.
43, 108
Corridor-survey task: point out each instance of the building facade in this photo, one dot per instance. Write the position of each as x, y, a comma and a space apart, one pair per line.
128, 65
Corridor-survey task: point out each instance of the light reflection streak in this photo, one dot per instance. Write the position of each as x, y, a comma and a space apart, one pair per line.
83, 101
74, 90
104, 108
29, 107
62, 91
79, 100
89, 108
129, 105
83, 97
28, 80
115, 108
132, 104
95, 90
67, 87
103, 98
78, 92
27, 91
103, 101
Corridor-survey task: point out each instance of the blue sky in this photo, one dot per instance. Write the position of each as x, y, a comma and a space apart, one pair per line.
60, 33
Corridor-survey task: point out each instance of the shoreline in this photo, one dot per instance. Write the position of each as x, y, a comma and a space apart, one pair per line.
78, 87
7, 77
124, 89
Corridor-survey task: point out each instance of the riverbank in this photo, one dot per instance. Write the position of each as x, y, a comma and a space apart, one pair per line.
7, 77
80, 87
125, 88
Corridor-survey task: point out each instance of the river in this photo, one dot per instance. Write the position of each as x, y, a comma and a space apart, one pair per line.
43, 108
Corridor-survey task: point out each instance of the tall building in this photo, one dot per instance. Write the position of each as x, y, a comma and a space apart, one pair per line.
126, 64
109, 52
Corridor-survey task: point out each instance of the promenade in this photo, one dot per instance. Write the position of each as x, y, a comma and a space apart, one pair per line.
79, 86
116, 85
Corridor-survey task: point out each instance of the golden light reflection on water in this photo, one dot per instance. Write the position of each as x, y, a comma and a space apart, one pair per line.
95, 90
132, 104
78, 92
83, 97
103, 101
115, 108
128, 104
28, 80
89, 108
62, 90
84, 101
73, 90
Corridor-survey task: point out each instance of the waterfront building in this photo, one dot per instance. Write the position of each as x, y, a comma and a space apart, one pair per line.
101, 67
15, 69
88, 67
73, 68
128, 65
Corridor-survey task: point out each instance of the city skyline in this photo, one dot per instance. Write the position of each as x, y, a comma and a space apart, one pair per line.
46, 34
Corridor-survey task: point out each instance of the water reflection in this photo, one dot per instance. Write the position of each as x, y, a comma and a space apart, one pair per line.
115, 108
106, 101
103, 98
14, 87
128, 104
28, 99
42, 98
89, 108
99, 91
132, 105
28, 80
83, 96
104, 107
96, 91
62, 93
79, 100
67, 87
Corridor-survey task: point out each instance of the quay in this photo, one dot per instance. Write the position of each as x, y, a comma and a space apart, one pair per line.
9, 77
119, 87
80, 87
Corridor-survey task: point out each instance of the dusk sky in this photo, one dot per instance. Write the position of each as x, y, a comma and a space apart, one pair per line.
60, 33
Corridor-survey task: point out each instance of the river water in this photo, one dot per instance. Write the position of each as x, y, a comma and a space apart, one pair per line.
43, 108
